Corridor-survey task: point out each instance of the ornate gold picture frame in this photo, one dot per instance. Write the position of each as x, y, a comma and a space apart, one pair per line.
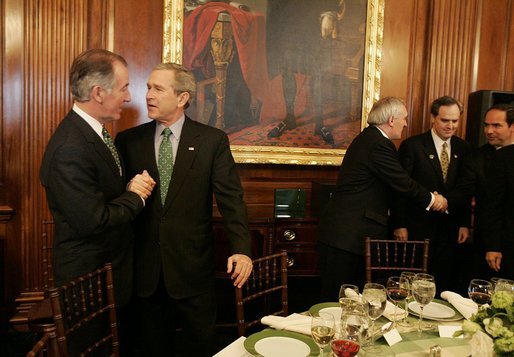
173, 51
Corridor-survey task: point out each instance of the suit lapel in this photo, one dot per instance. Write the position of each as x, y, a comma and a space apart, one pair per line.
187, 149
97, 144
431, 154
456, 154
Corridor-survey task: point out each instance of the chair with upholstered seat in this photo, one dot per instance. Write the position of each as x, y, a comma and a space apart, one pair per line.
265, 292
391, 257
84, 314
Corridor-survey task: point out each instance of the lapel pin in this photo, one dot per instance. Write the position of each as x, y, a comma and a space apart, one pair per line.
455, 156
191, 148
431, 157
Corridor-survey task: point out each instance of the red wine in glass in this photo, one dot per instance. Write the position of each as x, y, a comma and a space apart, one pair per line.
344, 348
480, 298
397, 294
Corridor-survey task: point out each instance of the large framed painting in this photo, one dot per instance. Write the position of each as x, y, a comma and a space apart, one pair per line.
289, 81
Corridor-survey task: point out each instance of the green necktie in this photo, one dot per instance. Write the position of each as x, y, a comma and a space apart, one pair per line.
110, 144
445, 160
165, 163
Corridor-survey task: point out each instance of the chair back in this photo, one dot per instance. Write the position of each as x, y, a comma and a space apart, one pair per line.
265, 292
47, 345
385, 257
84, 313
47, 239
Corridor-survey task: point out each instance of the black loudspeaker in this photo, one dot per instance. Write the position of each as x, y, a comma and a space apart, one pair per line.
478, 103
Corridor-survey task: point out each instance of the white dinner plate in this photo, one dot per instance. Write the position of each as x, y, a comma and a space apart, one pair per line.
335, 311
282, 347
434, 310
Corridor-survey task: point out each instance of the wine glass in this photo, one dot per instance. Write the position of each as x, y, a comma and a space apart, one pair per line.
352, 334
349, 291
480, 291
375, 299
504, 285
409, 275
398, 289
423, 290
322, 330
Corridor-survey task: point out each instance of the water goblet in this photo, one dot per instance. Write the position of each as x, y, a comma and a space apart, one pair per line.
409, 275
480, 291
423, 290
398, 288
322, 330
375, 298
349, 291
504, 285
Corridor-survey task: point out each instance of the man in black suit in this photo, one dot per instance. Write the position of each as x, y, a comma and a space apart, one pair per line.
499, 132
369, 179
436, 159
85, 182
175, 253
494, 221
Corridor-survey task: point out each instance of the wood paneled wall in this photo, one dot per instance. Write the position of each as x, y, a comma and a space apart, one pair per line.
430, 48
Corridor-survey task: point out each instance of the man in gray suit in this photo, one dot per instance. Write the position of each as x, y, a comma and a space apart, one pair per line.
370, 177
175, 252
84, 179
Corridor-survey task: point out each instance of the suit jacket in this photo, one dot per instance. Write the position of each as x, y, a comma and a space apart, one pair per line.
483, 165
418, 155
178, 237
89, 203
369, 178
498, 218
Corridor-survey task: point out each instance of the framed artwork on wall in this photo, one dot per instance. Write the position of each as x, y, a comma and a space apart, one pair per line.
289, 81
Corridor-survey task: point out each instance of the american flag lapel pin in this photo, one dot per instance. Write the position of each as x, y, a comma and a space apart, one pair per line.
191, 148
431, 157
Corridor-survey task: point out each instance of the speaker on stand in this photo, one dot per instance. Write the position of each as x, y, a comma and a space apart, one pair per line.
478, 103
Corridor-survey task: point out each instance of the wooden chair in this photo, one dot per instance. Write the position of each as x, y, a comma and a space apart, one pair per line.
393, 256
265, 292
84, 314
47, 345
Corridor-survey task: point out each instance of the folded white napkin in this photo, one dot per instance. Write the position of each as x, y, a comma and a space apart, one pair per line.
465, 306
350, 293
294, 322
389, 312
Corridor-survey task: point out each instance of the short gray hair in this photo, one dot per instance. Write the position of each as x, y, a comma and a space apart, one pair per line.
184, 79
93, 68
385, 108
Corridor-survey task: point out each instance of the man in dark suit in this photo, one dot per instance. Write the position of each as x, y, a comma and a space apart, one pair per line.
85, 182
175, 267
494, 221
499, 132
436, 159
370, 177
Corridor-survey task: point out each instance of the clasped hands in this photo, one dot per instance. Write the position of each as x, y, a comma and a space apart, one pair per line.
142, 184
440, 203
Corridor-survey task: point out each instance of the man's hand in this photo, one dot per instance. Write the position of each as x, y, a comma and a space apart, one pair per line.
241, 267
440, 203
494, 260
401, 234
142, 184
463, 235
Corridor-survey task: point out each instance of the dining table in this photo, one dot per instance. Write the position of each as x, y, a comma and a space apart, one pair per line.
294, 340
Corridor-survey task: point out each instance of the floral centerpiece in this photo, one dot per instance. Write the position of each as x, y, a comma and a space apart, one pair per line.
492, 327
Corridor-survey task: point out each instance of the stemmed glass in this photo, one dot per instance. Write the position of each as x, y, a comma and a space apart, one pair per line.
322, 330
375, 299
398, 289
352, 290
423, 290
504, 285
409, 275
352, 334
480, 291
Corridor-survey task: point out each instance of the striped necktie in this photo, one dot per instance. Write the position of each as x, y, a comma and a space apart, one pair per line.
445, 160
110, 144
165, 163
